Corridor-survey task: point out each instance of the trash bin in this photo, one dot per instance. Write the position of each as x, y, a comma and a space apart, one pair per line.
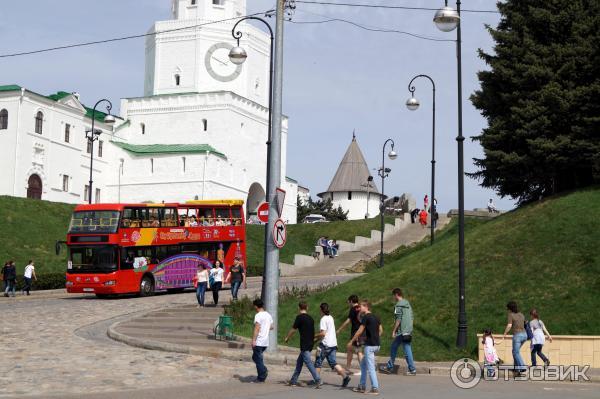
225, 327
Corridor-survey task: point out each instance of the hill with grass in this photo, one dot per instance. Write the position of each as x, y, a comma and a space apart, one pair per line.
544, 255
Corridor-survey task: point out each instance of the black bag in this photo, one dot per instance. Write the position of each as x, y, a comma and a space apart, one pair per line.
407, 338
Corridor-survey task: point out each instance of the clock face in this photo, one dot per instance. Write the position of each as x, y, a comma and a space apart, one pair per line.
218, 64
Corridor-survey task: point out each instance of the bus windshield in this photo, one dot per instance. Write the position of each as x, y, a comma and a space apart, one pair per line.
105, 222
96, 259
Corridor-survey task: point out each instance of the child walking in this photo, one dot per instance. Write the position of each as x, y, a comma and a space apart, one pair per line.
490, 354
538, 328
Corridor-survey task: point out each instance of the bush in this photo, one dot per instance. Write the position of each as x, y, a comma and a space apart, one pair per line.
46, 281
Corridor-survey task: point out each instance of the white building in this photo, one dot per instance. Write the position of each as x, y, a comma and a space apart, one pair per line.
351, 187
199, 131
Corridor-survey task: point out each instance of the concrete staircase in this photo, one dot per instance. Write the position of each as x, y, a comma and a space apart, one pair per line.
365, 249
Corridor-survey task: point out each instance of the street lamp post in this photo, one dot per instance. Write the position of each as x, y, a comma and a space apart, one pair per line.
383, 173
448, 19
413, 104
93, 135
238, 56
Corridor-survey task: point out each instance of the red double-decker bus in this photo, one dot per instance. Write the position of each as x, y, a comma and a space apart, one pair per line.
145, 248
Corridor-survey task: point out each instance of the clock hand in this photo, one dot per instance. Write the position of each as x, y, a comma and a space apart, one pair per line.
218, 60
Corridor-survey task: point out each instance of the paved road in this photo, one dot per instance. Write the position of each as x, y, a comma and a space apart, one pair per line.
391, 387
57, 344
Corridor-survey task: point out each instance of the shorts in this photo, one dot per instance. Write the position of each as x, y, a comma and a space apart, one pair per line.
325, 352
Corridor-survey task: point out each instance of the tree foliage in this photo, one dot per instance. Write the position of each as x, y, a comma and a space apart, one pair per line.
320, 207
541, 98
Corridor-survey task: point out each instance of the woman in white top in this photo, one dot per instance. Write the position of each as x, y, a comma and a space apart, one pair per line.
202, 283
538, 328
216, 277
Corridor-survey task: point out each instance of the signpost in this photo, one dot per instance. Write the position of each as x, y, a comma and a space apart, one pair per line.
279, 233
280, 200
263, 212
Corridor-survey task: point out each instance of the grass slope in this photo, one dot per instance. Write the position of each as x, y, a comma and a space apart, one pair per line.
544, 255
302, 238
29, 230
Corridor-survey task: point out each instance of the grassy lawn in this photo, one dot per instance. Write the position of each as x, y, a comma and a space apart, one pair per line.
544, 255
29, 229
302, 238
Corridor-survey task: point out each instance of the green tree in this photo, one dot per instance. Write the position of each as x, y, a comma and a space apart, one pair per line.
541, 98
320, 207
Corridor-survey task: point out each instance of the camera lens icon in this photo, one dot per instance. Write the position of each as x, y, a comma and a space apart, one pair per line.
465, 373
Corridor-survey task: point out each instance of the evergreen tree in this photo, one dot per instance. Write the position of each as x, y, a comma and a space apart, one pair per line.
541, 98
324, 208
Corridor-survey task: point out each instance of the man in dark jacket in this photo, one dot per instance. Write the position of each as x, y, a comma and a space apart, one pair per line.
10, 277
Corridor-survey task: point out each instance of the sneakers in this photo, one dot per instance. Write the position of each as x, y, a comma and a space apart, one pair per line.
292, 384
318, 384
346, 381
547, 362
385, 370
411, 373
373, 392
359, 389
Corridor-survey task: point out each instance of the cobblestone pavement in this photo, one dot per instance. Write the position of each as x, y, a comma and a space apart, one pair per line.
57, 344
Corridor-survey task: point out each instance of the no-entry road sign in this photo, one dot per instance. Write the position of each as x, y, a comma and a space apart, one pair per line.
263, 212
279, 233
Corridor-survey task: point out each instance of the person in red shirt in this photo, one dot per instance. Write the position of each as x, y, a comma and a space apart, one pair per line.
423, 218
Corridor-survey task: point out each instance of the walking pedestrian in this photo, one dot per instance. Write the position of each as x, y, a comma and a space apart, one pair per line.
202, 284
414, 214
263, 323
27, 276
370, 325
237, 276
216, 275
328, 347
401, 334
353, 320
423, 218
305, 325
434, 216
516, 323
490, 355
538, 328
10, 274
4, 279
425, 201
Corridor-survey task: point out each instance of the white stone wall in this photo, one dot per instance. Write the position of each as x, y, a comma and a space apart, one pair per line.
357, 206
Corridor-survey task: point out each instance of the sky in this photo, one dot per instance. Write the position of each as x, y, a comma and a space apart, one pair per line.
337, 79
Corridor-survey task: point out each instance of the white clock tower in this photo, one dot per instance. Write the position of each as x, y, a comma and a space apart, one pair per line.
192, 54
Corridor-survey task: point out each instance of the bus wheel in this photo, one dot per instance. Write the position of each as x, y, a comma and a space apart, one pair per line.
146, 286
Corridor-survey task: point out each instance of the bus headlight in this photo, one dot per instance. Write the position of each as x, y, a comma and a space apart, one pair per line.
69, 284
109, 283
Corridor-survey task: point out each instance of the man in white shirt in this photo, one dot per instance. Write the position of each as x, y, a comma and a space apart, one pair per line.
27, 276
263, 323
328, 346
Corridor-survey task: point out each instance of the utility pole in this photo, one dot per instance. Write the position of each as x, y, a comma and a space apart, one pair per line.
271, 289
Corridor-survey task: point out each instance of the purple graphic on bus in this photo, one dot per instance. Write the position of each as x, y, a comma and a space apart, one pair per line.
178, 271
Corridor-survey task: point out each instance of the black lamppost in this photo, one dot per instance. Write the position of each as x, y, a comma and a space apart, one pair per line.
447, 19
238, 56
383, 173
93, 135
413, 104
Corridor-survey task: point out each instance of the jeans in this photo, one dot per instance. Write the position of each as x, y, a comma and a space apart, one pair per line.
200, 291
518, 340
257, 358
325, 250
235, 287
216, 287
537, 350
334, 251
326, 352
11, 285
27, 286
304, 358
408, 355
368, 366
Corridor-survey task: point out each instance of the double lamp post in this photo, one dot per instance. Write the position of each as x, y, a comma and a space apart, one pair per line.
93, 135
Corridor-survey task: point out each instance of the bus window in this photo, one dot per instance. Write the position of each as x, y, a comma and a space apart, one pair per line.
223, 218
132, 217
205, 217
182, 214
168, 217
151, 217
236, 215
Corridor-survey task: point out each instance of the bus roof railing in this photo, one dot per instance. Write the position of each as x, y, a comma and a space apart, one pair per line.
215, 202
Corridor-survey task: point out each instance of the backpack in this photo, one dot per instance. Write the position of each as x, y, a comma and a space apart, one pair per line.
528, 331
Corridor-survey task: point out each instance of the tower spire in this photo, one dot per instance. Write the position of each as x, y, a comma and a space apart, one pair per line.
353, 134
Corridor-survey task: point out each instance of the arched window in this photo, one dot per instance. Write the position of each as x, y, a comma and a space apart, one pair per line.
39, 122
3, 119
177, 80
205, 124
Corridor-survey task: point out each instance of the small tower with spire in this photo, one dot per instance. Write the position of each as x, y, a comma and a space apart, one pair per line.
352, 186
